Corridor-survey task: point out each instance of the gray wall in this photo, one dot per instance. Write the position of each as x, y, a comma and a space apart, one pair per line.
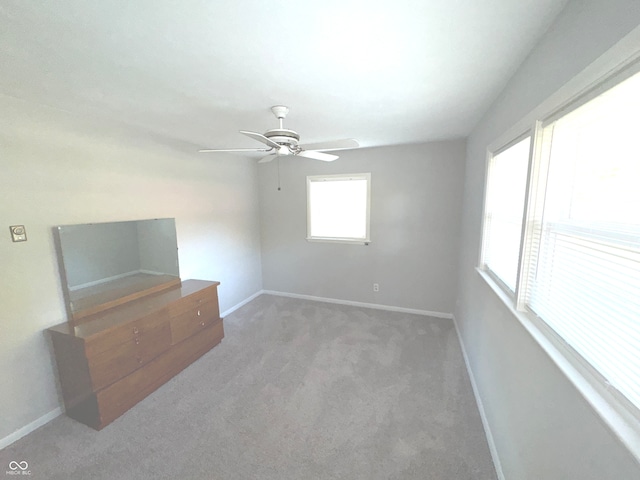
416, 194
543, 428
62, 170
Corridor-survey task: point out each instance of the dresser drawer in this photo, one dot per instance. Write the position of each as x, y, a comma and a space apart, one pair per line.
117, 398
127, 332
193, 301
193, 321
111, 365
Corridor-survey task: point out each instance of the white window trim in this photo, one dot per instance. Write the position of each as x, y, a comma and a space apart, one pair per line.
344, 240
621, 421
619, 62
483, 244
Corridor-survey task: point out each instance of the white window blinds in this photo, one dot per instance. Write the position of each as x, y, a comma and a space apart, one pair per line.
584, 269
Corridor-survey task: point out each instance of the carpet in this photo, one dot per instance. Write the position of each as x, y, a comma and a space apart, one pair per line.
296, 390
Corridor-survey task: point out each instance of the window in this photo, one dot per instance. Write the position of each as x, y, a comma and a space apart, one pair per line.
504, 207
580, 251
585, 276
338, 207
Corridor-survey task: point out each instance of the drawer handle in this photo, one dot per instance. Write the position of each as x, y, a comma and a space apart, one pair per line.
139, 360
137, 340
202, 323
135, 330
198, 312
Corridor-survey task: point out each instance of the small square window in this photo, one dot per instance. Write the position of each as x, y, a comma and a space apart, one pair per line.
338, 208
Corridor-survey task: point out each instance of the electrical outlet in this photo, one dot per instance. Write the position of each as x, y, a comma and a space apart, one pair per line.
376, 287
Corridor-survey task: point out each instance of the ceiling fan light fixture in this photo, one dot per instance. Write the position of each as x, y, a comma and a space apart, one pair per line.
284, 150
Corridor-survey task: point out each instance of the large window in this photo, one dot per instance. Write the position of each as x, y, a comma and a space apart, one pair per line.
579, 257
338, 208
504, 209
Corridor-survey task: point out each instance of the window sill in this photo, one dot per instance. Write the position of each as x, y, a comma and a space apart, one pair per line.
623, 423
338, 240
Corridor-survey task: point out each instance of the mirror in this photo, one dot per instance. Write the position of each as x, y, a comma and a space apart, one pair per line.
103, 265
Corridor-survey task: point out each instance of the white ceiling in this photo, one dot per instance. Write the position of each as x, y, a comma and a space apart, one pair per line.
197, 71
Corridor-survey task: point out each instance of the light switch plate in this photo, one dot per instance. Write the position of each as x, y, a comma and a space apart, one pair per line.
18, 233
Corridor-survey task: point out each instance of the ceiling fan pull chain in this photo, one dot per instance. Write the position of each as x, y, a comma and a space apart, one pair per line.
278, 173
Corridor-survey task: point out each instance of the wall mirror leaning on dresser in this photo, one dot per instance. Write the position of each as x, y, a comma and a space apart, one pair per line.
132, 322
106, 263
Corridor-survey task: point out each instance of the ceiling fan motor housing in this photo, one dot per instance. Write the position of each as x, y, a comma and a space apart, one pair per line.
283, 137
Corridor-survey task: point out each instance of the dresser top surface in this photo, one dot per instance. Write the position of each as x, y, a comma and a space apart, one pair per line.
131, 311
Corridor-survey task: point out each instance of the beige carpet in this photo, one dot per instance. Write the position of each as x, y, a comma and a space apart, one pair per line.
297, 390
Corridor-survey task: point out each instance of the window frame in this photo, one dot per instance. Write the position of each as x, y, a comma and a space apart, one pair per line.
491, 153
340, 177
620, 63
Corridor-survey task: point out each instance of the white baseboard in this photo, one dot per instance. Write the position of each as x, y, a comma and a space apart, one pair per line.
483, 415
360, 304
37, 423
241, 304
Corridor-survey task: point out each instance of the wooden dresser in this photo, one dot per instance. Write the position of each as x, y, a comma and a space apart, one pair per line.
117, 357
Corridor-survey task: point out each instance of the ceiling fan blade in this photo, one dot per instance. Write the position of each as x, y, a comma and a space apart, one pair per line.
209, 150
261, 138
334, 145
325, 157
267, 159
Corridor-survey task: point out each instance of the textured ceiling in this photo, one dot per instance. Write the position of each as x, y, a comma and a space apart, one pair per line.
195, 72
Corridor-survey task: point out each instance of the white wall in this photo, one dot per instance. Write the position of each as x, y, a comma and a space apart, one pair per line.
543, 428
61, 170
416, 194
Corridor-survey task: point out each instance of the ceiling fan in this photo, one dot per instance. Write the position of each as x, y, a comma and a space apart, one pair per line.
281, 141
